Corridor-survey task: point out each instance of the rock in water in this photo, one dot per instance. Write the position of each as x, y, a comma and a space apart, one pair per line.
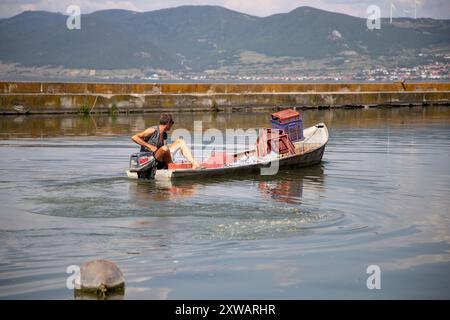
100, 277
21, 109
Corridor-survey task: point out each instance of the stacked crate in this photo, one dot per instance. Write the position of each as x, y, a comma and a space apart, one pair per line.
273, 140
290, 121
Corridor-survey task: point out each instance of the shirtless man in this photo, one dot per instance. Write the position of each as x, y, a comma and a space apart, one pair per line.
154, 138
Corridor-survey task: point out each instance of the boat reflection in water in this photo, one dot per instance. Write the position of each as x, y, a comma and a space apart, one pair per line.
282, 191
154, 190
286, 186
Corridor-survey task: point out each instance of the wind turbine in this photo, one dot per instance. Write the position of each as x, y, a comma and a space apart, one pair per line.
392, 8
415, 9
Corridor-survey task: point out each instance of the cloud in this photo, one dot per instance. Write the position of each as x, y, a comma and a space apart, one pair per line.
262, 7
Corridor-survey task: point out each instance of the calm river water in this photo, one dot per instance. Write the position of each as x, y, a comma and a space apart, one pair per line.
380, 197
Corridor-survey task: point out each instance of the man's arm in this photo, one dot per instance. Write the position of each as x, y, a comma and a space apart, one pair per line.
138, 138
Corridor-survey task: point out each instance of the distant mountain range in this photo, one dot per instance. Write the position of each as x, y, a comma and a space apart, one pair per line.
195, 38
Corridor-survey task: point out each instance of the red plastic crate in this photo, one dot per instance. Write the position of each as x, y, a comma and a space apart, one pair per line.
180, 165
285, 116
273, 140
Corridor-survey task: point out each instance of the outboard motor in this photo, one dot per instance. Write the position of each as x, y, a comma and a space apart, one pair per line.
144, 164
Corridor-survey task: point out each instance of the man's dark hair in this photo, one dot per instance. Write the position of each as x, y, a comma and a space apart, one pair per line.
165, 118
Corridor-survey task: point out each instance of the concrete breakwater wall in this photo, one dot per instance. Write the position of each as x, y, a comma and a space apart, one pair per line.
45, 97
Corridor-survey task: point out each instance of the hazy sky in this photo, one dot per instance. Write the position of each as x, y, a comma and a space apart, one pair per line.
439, 9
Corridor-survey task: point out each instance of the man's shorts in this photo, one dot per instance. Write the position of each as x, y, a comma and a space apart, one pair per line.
161, 165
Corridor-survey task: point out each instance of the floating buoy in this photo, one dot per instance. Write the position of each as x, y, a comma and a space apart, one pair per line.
101, 278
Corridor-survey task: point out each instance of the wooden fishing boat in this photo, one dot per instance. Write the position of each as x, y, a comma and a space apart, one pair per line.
308, 151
